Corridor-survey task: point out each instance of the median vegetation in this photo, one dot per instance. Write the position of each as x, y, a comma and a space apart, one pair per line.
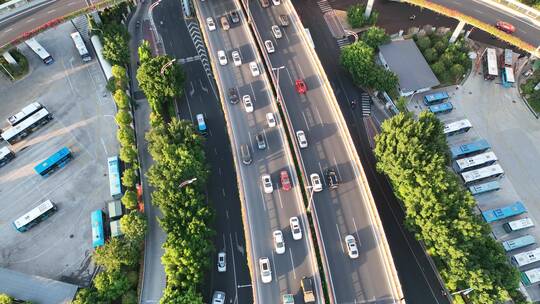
414, 155
531, 95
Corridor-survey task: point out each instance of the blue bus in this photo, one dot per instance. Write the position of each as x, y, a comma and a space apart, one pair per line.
98, 233
507, 76
201, 125
520, 242
530, 277
485, 187
442, 108
114, 177
470, 148
435, 98
493, 215
55, 161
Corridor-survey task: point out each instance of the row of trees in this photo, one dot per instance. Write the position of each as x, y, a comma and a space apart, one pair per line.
414, 155
528, 90
359, 59
177, 151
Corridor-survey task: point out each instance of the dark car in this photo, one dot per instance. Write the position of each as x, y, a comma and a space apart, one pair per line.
331, 179
261, 144
284, 20
233, 96
235, 18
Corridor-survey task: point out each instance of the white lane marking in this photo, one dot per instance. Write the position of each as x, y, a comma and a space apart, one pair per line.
322, 174
224, 242
251, 142
286, 37
227, 213
234, 269
478, 11
30, 20
8, 30
223, 192
253, 92
337, 168
339, 238
290, 77
262, 197
51, 11
305, 119
292, 263
219, 170
71, 3
279, 197
266, 139
189, 108
273, 262
319, 115
300, 70
356, 232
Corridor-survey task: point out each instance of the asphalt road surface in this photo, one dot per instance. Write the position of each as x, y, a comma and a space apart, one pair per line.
343, 211
15, 26
265, 212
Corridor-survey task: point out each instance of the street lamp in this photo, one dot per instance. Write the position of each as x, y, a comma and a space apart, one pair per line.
166, 65
277, 76
187, 182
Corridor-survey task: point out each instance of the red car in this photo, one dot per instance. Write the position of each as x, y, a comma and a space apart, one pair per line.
505, 27
301, 87
285, 180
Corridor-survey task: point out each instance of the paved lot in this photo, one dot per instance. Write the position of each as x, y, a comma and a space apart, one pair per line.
498, 115
59, 248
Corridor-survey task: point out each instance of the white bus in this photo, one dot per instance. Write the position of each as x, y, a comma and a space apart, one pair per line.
81, 47
530, 277
27, 126
24, 113
6, 155
475, 162
526, 258
456, 127
491, 71
518, 225
34, 216
39, 50
482, 174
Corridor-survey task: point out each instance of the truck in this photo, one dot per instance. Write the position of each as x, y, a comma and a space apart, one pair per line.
307, 290
288, 299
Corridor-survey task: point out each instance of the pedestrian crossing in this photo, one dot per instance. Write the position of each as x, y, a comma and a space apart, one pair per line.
366, 104
195, 33
343, 42
324, 6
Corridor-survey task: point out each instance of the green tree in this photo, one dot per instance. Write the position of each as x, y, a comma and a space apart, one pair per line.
439, 69
115, 254
128, 154
385, 81
357, 58
145, 52
121, 99
130, 297
457, 71
87, 296
129, 199
174, 296
120, 77
111, 285
125, 136
115, 44
129, 179
5, 299
375, 36
423, 43
356, 18
440, 46
431, 55
134, 226
123, 118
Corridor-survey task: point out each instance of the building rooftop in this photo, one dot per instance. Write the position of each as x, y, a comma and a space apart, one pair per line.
405, 59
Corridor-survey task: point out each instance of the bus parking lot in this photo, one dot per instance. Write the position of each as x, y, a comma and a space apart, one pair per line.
506, 136
82, 121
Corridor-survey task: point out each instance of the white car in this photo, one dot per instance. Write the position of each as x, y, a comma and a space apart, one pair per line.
222, 262
248, 105
276, 31
302, 141
236, 58
316, 182
218, 298
351, 246
278, 242
276, 2
266, 272
295, 228
211, 24
271, 120
269, 46
222, 57
267, 183
254, 68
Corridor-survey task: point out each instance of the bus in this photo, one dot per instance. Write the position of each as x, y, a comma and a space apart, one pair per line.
481, 174
475, 162
35, 216
27, 126
6, 155
517, 225
526, 258
435, 98
114, 177
457, 127
530, 277
56, 161
490, 64
470, 148
98, 233
39, 50
506, 58
517, 243
81, 47
201, 124
514, 209
507, 76
24, 113
485, 187
442, 108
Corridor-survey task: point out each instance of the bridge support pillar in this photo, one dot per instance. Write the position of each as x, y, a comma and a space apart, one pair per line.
9, 58
369, 8
456, 32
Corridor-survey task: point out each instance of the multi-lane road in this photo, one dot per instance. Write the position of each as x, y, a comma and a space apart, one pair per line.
265, 213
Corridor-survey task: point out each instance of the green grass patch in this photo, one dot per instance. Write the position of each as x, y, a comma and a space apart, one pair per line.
532, 96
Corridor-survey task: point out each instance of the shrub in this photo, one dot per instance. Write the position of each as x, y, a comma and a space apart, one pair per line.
128, 154
423, 43
125, 136
121, 99
356, 18
375, 36
123, 118
129, 179
129, 200
134, 226
431, 55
